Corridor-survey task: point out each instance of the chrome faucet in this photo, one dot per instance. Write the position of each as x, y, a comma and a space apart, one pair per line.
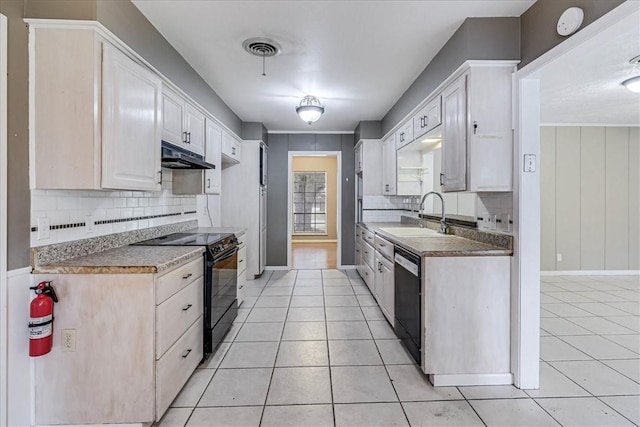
443, 224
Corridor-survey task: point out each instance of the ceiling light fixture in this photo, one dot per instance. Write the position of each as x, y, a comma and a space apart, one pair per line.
633, 84
310, 109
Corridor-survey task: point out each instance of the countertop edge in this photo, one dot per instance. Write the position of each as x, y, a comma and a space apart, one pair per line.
490, 251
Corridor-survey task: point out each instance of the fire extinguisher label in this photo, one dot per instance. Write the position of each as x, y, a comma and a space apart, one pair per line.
40, 327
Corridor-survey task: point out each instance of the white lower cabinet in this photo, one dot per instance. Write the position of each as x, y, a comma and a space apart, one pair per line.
242, 267
384, 278
138, 340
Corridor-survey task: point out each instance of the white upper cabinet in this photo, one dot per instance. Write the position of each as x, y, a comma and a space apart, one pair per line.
131, 124
95, 121
213, 155
358, 156
404, 135
477, 135
427, 118
389, 166
182, 123
370, 152
172, 117
230, 148
454, 136
195, 128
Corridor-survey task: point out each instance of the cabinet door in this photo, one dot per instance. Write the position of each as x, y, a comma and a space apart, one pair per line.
263, 228
404, 135
131, 124
389, 166
454, 136
213, 155
388, 289
230, 148
427, 118
172, 117
379, 279
359, 159
194, 121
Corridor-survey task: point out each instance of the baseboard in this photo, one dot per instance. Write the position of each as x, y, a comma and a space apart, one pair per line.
591, 273
451, 380
315, 241
346, 267
276, 268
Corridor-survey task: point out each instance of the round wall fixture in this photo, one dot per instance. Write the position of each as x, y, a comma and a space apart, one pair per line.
570, 21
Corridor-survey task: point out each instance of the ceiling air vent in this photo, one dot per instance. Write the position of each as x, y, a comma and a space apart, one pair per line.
262, 47
635, 60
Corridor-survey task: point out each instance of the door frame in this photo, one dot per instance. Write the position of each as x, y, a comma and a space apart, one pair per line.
338, 156
525, 264
4, 395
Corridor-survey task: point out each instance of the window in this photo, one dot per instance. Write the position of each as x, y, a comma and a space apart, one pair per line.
309, 203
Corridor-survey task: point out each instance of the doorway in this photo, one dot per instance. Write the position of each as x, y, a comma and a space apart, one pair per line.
314, 210
531, 82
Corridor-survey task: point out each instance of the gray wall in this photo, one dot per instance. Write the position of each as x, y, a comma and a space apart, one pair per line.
368, 130
19, 201
538, 23
590, 198
278, 158
477, 38
255, 131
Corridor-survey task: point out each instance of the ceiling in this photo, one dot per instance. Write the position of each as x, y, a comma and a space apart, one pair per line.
583, 86
357, 57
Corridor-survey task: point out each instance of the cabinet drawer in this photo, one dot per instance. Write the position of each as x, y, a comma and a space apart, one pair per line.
242, 260
369, 277
242, 239
367, 237
384, 247
176, 366
177, 279
174, 316
368, 254
242, 282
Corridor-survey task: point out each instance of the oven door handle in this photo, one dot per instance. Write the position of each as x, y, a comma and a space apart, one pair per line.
226, 256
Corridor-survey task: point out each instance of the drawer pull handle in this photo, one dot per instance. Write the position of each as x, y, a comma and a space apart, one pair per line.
187, 307
186, 276
239, 261
382, 245
186, 353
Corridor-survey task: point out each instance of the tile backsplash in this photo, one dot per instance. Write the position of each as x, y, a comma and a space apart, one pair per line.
388, 208
496, 211
73, 214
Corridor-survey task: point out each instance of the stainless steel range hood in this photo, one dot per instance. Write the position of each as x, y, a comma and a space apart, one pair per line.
178, 158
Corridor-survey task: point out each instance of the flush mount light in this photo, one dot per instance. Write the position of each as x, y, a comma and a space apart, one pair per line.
310, 109
633, 84
429, 140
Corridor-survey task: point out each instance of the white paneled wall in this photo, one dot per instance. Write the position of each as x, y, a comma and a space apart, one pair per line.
118, 210
590, 198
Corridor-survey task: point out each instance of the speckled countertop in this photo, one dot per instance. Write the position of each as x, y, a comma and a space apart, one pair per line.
441, 245
126, 260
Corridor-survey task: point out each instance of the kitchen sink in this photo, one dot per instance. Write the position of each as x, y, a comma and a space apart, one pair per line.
411, 232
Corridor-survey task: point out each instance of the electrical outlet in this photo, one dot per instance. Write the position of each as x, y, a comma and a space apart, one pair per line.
509, 224
494, 222
89, 224
559, 257
43, 228
69, 340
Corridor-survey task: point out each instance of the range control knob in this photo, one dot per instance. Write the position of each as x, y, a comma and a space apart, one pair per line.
216, 249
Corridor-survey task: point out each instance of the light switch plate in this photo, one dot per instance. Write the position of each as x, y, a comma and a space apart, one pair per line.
43, 228
529, 162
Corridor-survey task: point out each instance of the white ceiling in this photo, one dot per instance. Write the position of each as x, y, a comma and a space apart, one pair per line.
358, 57
584, 85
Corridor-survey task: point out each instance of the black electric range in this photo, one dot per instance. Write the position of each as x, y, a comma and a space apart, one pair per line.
220, 284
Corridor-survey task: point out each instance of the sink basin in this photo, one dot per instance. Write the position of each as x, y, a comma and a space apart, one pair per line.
411, 232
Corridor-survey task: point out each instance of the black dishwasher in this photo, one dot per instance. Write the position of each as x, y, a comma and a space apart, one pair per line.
408, 301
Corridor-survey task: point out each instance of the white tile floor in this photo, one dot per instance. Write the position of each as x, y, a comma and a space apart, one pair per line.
310, 348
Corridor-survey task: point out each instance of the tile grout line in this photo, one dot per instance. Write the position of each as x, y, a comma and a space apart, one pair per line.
326, 328
275, 359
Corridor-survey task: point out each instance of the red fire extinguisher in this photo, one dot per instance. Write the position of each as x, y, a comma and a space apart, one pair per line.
41, 319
